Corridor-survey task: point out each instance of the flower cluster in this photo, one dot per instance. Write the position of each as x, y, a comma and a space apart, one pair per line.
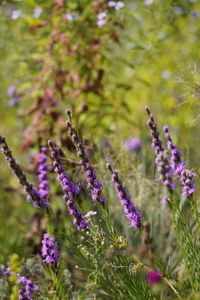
32, 192
27, 288
178, 166
165, 171
49, 253
130, 211
70, 190
187, 177
101, 19
5, 271
156, 142
93, 184
102, 16
116, 4
176, 163
43, 171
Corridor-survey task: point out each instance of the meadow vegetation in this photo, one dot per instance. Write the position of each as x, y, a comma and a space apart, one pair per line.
99, 107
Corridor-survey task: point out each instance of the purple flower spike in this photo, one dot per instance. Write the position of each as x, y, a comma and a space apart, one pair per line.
164, 170
32, 192
130, 211
70, 190
26, 292
187, 177
43, 171
49, 252
154, 277
156, 142
177, 164
133, 144
5, 271
93, 184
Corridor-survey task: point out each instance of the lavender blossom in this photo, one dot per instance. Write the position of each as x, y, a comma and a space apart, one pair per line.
165, 199
5, 271
156, 142
43, 171
164, 170
14, 97
130, 211
133, 144
176, 163
32, 192
70, 190
26, 292
187, 177
93, 184
49, 251
178, 166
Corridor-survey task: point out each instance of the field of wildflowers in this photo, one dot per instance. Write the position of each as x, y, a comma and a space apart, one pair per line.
99, 134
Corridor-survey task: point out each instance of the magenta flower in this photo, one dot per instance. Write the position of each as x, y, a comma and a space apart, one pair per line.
134, 144
49, 251
154, 277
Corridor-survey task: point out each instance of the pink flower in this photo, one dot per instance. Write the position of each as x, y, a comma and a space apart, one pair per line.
154, 277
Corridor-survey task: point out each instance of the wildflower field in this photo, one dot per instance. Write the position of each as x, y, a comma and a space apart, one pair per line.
100, 160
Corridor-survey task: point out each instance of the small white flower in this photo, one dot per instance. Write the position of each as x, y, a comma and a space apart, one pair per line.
178, 10
112, 3
71, 17
101, 23
148, 2
119, 5
166, 74
102, 15
15, 14
37, 12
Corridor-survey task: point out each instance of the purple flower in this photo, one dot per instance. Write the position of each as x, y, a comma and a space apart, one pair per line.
14, 97
164, 200
187, 177
134, 144
43, 171
27, 289
93, 184
154, 277
49, 251
178, 166
32, 192
11, 90
164, 170
70, 190
5, 271
176, 162
130, 211
156, 142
